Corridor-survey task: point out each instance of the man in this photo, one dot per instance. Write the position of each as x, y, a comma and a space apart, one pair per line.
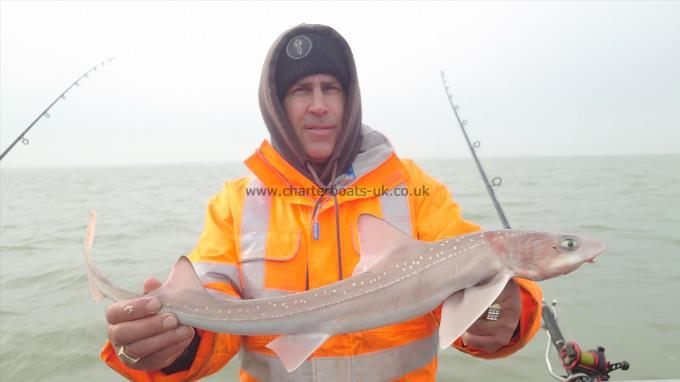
288, 228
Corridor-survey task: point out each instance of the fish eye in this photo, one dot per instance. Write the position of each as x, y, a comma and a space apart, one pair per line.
569, 244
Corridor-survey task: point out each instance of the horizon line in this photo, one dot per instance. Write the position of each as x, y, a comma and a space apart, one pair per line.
233, 162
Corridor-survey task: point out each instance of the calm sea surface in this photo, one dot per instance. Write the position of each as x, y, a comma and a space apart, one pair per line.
52, 330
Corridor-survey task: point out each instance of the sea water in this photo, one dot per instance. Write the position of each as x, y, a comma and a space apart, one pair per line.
148, 215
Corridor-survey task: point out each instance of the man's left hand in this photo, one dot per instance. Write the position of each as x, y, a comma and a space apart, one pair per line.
492, 335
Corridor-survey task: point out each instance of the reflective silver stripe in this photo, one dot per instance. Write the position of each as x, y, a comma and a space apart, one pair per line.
269, 292
216, 272
209, 272
382, 365
220, 294
254, 228
394, 205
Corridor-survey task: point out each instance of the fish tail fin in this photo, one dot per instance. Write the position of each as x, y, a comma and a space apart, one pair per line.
96, 293
89, 240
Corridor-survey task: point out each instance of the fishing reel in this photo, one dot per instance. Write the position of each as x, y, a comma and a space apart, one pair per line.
581, 366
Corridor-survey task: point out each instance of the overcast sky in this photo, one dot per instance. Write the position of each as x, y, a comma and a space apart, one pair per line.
533, 79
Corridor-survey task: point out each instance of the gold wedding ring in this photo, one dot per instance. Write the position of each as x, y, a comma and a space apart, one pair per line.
126, 357
494, 312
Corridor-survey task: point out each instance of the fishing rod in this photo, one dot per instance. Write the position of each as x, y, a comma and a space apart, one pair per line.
580, 366
45, 113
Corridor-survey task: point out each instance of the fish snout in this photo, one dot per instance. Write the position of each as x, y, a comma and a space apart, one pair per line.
598, 249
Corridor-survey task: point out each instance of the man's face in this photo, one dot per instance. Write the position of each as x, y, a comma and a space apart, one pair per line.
314, 106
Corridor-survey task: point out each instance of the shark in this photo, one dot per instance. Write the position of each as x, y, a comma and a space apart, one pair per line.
397, 278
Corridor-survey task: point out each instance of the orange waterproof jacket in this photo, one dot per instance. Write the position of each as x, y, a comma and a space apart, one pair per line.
242, 255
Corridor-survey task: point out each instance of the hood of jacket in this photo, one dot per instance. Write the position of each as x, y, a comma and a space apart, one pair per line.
282, 136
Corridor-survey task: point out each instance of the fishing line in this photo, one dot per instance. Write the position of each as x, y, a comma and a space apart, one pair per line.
581, 366
45, 113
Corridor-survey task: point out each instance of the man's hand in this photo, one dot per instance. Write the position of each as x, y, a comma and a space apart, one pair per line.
492, 335
156, 339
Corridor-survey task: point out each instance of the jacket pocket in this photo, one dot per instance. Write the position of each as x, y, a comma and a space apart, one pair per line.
271, 266
273, 245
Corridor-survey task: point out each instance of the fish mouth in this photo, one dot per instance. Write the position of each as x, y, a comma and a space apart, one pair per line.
597, 253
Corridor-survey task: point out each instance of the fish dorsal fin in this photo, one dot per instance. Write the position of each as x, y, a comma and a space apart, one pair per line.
182, 279
464, 307
294, 349
377, 238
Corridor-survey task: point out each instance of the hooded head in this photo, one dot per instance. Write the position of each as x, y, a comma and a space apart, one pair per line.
300, 52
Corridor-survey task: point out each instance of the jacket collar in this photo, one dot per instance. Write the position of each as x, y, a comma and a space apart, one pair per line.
375, 167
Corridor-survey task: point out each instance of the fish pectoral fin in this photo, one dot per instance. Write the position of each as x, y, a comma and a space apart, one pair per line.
294, 349
463, 308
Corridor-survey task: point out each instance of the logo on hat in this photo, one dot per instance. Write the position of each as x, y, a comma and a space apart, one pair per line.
299, 47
